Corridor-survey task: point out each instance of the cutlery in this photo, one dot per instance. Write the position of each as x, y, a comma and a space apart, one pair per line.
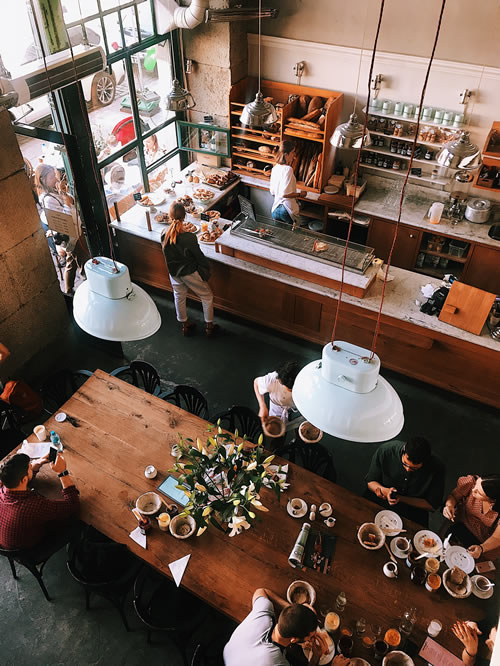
390, 553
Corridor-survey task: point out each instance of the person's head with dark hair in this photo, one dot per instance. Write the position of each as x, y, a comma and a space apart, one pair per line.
286, 152
487, 489
416, 452
296, 622
16, 471
288, 372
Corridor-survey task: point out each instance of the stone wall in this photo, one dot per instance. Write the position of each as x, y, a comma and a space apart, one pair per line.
32, 309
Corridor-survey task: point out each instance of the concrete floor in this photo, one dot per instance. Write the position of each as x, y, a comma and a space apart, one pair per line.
33, 631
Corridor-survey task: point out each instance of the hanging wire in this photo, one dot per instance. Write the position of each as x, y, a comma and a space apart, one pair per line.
358, 159
260, 31
403, 189
360, 58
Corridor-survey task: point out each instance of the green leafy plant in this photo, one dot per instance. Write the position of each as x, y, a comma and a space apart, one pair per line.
223, 479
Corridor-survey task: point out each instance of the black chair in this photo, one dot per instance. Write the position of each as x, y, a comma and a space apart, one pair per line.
60, 387
188, 398
198, 658
140, 374
313, 457
242, 419
36, 567
163, 607
103, 567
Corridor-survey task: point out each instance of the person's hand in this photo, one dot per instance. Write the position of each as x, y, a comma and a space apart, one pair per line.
36, 466
340, 660
392, 496
316, 647
475, 551
4, 353
467, 636
59, 465
263, 414
449, 510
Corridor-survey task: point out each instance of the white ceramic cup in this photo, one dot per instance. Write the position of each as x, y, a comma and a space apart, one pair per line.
399, 547
390, 569
296, 504
483, 584
434, 628
150, 472
330, 522
40, 432
325, 509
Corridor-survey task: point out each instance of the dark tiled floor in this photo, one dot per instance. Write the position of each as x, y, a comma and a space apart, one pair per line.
462, 433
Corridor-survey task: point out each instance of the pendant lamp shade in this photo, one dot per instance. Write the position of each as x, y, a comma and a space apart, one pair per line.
109, 306
350, 134
460, 153
178, 99
258, 114
344, 395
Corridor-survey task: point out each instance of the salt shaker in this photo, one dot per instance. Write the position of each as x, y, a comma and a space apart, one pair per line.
312, 514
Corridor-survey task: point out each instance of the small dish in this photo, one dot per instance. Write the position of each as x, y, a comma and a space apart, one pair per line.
331, 189
309, 433
401, 554
273, 427
454, 594
301, 592
148, 504
325, 509
60, 417
476, 591
296, 507
388, 521
456, 556
419, 541
397, 658
182, 527
365, 532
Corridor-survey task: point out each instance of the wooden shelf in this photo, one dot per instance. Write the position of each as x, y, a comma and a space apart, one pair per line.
433, 272
255, 132
451, 257
248, 137
309, 213
402, 173
386, 151
413, 120
253, 156
408, 139
259, 173
297, 135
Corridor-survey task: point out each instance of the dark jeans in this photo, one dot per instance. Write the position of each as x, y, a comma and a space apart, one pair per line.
54, 542
282, 215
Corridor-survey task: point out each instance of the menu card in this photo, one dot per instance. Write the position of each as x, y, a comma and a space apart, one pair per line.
319, 551
437, 655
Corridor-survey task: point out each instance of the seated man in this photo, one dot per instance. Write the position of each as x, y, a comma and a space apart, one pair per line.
28, 519
259, 640
406, 478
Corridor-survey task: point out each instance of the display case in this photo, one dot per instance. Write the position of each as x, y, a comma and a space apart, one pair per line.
203, 138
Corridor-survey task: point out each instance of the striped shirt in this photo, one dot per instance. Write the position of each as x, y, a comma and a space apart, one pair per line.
469, 510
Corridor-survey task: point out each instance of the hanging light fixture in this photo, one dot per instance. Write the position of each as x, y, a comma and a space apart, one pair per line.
178, 98
350, 134
258, 114
460, 153
109, 306
344, 395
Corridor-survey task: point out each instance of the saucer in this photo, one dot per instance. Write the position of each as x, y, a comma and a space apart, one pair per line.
396, 552
298, 514
389, 521
486, 594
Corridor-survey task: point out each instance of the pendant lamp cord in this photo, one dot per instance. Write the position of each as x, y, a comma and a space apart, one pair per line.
401, 199
351, 218
260, 36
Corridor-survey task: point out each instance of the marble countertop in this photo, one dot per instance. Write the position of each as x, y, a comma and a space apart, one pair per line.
381, 199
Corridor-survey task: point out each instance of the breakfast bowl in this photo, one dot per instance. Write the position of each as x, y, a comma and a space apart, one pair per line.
370, 536
148, 504
309, 433
397, 658
182, 527
273, 427
301, 592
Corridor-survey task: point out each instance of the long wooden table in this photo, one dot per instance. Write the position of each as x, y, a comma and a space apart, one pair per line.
122, 429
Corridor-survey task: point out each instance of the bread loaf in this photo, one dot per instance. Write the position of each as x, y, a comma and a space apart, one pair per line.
264, 149
306, 123
313, 116
329, 102
315, 103
303, 104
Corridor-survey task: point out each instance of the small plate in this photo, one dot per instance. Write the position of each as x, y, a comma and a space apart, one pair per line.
451, 592
456, 556
481, 594
388, 521
331, 189
156, 198
60, 417
418, 541
326, 658
300, 513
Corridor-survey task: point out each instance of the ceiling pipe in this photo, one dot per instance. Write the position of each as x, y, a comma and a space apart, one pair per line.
170, 16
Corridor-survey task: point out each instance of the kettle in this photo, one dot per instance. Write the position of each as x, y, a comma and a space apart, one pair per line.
478, 210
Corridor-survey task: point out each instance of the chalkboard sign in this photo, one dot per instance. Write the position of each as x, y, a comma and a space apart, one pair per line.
138, 196
205, 217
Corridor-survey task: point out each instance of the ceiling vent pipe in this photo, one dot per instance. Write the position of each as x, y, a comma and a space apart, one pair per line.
170, 16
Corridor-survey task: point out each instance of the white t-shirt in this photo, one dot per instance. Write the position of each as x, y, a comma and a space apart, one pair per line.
283, 182
280, 398
251, 644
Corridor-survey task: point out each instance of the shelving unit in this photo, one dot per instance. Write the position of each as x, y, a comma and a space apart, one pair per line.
455, 264
420, 179
491, 159
243, 92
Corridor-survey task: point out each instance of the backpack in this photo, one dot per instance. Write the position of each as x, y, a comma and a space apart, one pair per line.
18, 394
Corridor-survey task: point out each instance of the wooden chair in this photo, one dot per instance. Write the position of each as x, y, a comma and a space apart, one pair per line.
242, 419
188, 398
60, 387
313, 457
140, 374
123, 206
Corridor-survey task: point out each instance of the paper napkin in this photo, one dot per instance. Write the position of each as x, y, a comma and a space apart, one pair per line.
178, 568
137, 536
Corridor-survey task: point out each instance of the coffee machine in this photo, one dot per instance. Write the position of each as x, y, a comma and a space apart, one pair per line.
457, 202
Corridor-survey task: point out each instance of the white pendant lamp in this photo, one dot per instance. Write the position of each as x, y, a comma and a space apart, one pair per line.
460, 153
258, 114
345, 396
350, 134
109, 306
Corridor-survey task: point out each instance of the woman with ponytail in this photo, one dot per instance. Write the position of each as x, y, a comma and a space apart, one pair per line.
283, 185
188, 269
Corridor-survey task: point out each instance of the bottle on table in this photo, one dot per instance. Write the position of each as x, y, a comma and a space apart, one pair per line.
340, 602
297, 555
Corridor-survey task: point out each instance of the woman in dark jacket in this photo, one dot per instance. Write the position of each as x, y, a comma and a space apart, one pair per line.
188, 269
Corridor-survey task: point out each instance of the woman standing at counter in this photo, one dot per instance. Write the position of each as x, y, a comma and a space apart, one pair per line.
188, 269
283, 185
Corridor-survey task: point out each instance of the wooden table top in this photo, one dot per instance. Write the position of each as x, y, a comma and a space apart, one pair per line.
123, 429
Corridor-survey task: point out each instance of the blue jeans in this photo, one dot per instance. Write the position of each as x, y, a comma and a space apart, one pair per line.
282, 215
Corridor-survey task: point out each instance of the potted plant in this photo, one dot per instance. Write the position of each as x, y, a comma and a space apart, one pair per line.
223, 480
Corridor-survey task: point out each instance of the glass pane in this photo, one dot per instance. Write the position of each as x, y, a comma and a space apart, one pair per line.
113, 33
38, 113
109, 4
145, 19
121, 179
16, 36
159, 144
204, 139
130, 26
153, 78
79, 9
164, 173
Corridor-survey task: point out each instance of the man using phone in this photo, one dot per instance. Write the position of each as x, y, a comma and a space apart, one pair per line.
28, 519
406, 478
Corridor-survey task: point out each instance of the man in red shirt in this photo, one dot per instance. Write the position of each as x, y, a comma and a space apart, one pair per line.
28, 519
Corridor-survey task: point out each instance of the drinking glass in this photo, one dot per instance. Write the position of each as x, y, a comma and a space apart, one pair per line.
361, 626
381, 649
434, 628
345, 645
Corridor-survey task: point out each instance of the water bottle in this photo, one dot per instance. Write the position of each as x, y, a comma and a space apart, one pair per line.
407, 622
55, 441
297, 555
340, 602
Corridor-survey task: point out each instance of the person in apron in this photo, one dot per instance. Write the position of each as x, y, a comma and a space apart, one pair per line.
283, 186
278, 385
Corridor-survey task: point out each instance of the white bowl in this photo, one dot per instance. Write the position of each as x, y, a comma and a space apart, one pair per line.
467, 592
397, 658
308, 587
148, 504
371, 528
178, 522
303, 437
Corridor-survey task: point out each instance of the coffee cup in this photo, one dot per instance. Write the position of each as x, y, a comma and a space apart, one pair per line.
483, 584
163, 521
332, 622
296, 505
325, 509
390, 569
330, 522
40, 432
150, 472
402, 545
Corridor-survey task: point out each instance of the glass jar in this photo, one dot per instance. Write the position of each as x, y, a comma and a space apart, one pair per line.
407, 622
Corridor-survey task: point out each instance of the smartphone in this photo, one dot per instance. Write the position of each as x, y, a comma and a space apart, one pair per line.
483, 567
394, 494
52, 454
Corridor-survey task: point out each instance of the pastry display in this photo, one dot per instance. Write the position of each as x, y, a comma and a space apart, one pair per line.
213, 214
319, 246
190, 227
221, 179
146, 201
185, 200
203, 195
211, 236
162, 218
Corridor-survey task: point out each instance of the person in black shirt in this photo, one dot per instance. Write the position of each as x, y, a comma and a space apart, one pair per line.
188, 269
406, 478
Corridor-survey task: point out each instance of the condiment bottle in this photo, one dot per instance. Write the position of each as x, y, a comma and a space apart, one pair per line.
340, 602
297, 555
144, 525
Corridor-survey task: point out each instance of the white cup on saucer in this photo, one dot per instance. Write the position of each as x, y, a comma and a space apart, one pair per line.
296, 505
390, 569
325, 509
401, 546
330, 521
